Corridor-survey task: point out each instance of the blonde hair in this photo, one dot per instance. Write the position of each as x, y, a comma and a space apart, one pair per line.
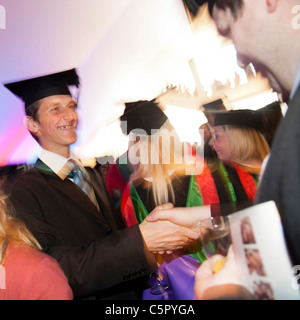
12, 229
246, 143
162, 158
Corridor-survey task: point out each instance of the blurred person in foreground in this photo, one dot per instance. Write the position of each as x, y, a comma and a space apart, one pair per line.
26, 273
266, 34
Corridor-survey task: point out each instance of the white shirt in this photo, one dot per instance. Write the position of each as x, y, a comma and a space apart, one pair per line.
54, 161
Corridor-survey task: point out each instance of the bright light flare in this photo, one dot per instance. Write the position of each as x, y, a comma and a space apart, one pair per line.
186, 122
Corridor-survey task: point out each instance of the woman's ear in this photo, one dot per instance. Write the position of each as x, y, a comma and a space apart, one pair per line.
31, 125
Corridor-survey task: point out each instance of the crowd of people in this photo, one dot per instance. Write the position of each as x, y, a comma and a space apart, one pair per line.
136, 234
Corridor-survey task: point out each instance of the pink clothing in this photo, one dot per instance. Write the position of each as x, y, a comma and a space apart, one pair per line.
28, 274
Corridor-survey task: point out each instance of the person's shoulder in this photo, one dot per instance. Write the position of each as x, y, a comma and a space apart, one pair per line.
39, 271
24, 252
21, 254
22, 181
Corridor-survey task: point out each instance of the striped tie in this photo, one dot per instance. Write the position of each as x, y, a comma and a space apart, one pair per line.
81, 178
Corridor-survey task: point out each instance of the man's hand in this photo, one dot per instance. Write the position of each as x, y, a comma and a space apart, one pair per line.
186, 217
167, 229
165, 236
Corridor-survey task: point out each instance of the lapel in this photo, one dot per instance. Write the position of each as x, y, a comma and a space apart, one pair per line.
103, 199
296, 98
70, 190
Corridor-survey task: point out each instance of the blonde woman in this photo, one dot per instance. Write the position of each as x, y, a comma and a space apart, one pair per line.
241, 150
163, 165
237, 139
245, 148
25, 272
164, 172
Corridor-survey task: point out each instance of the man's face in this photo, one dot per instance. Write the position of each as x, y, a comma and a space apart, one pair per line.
56, 127
248, 34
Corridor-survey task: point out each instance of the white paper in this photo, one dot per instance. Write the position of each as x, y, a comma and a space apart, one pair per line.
260, 248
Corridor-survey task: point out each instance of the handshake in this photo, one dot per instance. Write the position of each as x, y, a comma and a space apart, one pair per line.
167, 229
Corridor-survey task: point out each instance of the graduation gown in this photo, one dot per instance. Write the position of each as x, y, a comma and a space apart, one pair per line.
99, 257
227, 188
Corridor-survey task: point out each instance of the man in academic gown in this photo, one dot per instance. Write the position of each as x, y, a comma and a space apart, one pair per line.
100, 257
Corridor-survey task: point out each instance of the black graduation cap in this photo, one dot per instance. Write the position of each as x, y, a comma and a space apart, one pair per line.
32, 90
271, 115
194, 5
242, 118
143, 114
214, 105
210, 108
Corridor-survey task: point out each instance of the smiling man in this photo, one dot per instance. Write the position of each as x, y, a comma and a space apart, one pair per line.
78, 225
265, 33
56, 128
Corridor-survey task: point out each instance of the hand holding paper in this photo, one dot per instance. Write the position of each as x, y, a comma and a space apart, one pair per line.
207, 278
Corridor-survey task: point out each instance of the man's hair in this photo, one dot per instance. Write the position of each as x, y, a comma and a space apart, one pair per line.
32, 112
234, 5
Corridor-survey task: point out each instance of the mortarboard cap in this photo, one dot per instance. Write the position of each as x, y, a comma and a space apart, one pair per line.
214, 105
32, 90
194, 5
210, 108
242, 118
271, 115
143, 114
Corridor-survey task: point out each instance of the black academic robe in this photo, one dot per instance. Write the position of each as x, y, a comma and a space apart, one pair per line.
281, 179
99, 257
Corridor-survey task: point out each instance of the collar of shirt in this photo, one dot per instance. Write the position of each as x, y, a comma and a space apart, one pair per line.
54, 161
296, 83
